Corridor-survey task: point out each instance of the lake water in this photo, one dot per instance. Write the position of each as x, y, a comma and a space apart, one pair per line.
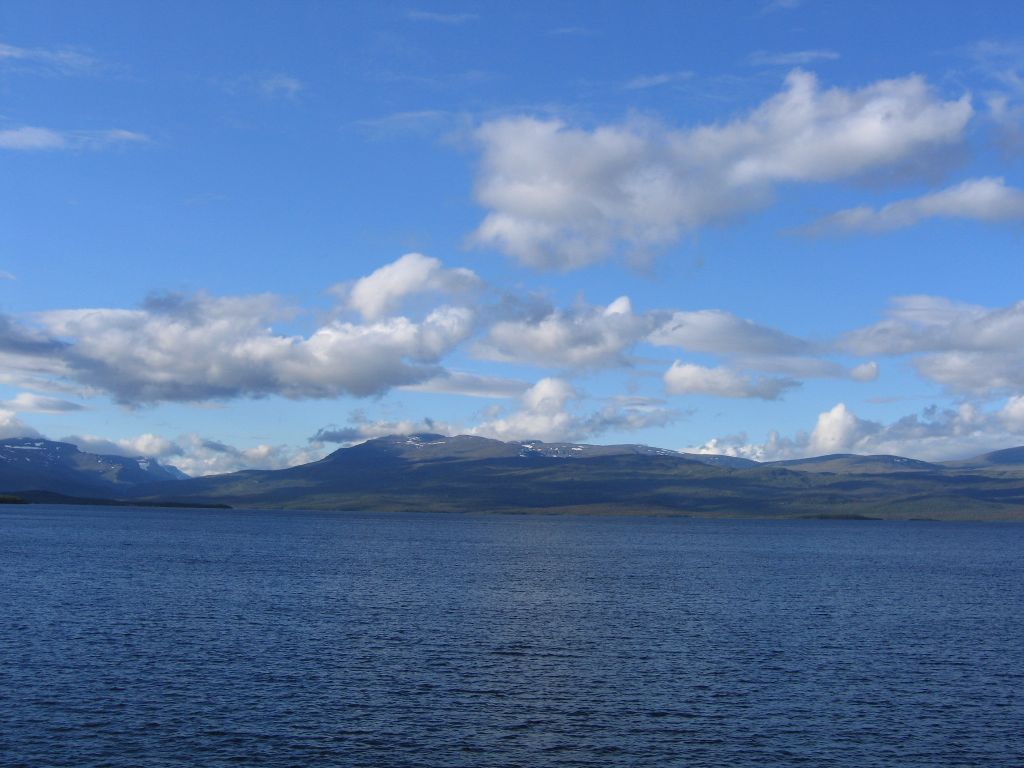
154, 637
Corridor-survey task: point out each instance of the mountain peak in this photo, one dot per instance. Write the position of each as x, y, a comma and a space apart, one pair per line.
30, 463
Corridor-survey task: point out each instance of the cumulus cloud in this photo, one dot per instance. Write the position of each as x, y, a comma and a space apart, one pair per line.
934, 434
986, 199
690, 379
582, 337
31, 138
543, 415
201, 456
382, 292
966, 348
177, 348
12, 426
149, 445
836, 430
196, 455
548, 412
562, 197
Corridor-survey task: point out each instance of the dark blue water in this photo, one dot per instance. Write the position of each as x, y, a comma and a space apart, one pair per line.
215, 638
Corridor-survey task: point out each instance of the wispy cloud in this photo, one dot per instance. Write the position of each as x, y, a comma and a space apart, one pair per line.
790, 58
269, 85
653, 81
412, 122
985, 199
280, 86
62, 61
442, 18
572, 32
5, 275
31, 138
771, 6
28, 402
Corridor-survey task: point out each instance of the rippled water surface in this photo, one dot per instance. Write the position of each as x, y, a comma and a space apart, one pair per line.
183, 637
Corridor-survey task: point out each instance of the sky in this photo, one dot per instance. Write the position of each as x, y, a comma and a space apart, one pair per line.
245, 234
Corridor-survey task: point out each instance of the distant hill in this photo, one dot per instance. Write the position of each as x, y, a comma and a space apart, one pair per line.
32, 464
429, 472
849, 463
1011, 459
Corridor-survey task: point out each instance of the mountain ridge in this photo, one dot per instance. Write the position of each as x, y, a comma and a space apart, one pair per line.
37, 464
467, 473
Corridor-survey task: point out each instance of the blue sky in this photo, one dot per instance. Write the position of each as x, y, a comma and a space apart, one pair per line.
244, 234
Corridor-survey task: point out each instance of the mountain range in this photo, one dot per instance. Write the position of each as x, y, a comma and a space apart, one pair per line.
428, 472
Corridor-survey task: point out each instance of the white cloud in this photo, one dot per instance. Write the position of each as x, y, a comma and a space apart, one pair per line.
790, 58
383, 291
28, 402
542, 416
572, 32
718, 332
6, 275
422, 121
562, 197
865, 371
149, 445
771, 6
197, 456
747, 346
62, 61
548, 412
836, 431
1008, 117
201, 348
12, 426
654, 81
360, 428
933, 435
583, 337
1012, 414
965, 348
469, 385
452, 19
201, 456
690, 379
29, 138
280, 86
986, 199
